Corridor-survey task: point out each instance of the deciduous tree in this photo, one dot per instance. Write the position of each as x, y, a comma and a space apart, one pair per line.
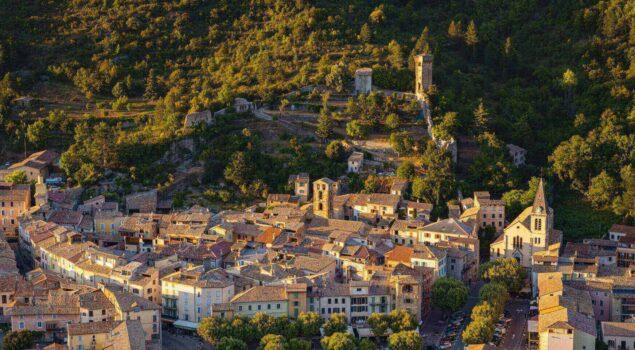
406, 340
335, 324
449, 294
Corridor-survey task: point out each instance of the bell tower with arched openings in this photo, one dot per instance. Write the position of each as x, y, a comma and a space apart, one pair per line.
324, 190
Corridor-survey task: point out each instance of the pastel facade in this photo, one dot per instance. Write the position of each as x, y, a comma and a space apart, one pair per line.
531, 232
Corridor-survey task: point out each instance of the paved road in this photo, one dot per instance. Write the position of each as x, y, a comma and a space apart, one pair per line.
516, 335
173, 341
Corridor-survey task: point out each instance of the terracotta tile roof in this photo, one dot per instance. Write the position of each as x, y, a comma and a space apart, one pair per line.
246, 229
95, 300
55, 305
407, 225
262, 293
92, 327
128, 335
360, 199
216, 278
356, 157
422, 251
323, 227
130, 302
37, 160
400, 253
618, 329
66, 217
625, 229
450, 226
333, 289
145, 202
312, 264
9, 283
419, 206
9, 192
269, 235
549, 283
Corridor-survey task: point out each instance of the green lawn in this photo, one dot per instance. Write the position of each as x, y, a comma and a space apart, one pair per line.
577, 219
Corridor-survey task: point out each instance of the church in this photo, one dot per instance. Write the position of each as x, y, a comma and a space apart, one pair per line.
531, 232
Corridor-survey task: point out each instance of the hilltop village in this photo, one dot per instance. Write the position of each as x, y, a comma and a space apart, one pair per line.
280, 175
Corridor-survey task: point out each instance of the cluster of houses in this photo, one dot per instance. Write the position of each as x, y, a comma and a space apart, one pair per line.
585, 291
101, 273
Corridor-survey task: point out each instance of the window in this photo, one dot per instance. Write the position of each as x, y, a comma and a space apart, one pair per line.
537, 224
249, 307
240, 308
517, 242
328, 301
268, 306
39, 324
278, 306
259, 307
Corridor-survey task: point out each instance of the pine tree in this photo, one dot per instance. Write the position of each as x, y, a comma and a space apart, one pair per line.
325, 126
471, 37
481, 117
151, 86
455, 30
395, 56
421, 46
507, 47
365, 35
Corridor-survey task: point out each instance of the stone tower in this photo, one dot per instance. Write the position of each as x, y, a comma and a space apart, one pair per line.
423, 74
41, 192
363, 80
324, 190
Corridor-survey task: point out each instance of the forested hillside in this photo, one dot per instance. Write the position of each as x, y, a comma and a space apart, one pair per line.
556, 77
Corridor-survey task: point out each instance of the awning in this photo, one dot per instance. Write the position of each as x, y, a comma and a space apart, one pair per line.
187, 325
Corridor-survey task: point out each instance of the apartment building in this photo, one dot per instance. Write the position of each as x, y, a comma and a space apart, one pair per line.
15, 200
275, 300
190, 295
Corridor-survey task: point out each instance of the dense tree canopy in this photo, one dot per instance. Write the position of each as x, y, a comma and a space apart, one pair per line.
506, 271
449, 294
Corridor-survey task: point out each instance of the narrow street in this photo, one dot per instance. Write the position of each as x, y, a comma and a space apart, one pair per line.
173, 341
516, 336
